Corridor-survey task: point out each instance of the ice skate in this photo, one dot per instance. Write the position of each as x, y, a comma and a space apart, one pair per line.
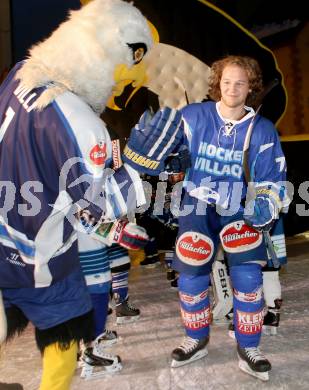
253, 362
126, 312
174, 283
97, 365
151, 261
189, 351
104, 340
272, 319
231, 330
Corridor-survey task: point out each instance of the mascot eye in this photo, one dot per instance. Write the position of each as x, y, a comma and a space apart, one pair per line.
138, 51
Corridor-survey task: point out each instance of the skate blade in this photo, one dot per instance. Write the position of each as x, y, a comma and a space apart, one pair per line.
264, 376
88, 371
150, 266
199, 355
126, 320
269, 330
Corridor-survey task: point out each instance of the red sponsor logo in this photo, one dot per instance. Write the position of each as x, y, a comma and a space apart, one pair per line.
248, 297
197, 319
193, 299
116, 154
238, 237
194, 248
98, 154
249, 323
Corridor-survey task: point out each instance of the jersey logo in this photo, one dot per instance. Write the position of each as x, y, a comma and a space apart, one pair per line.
194, 248
238, 237
98, 154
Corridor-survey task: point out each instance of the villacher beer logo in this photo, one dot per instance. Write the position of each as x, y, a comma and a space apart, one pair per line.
98, 154
238, 237
193, 299
194, 248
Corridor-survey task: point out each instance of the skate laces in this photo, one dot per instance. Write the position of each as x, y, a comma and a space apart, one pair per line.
98, 351
108, 334
188, 344
130, 306
254, 354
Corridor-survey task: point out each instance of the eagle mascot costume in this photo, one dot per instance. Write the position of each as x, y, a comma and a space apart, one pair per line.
54, 149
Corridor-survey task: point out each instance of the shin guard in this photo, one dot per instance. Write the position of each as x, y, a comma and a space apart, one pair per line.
195, 305
248, 304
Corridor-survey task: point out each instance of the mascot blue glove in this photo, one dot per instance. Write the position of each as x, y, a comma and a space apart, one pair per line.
262, 211
152, 140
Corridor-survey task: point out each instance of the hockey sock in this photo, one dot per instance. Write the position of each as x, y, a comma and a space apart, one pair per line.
58, 367
248, 303
194, 304
168, 258
271, 287
100, 308
120, 286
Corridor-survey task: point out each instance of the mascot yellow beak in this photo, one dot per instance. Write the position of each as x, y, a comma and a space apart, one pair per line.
135, 75
124, 76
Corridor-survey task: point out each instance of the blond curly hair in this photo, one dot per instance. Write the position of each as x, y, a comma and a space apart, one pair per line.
250, 65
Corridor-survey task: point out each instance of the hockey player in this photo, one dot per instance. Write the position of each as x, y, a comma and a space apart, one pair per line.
95, 260
53, 150
214, 210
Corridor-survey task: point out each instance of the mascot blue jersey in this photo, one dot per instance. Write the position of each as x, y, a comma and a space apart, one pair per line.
216, 147
67, 143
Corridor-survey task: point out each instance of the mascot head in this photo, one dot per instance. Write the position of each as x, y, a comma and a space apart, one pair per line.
89, 53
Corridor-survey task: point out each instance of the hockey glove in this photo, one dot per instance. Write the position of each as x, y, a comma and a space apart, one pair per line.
152, 140
178, 162
261, 212
124, 233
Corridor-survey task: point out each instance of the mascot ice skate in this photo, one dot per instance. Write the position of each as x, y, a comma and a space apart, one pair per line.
54, 149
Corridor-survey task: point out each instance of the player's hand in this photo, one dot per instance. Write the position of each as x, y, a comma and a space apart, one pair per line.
261, 213
178, 162
122, 232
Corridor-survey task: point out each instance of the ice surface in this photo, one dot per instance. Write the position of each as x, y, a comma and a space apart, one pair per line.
145, 346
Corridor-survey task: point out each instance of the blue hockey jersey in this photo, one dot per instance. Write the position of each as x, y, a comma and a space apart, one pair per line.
51, 164
216, 146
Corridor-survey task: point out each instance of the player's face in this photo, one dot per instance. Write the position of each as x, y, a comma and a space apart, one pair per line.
234, 86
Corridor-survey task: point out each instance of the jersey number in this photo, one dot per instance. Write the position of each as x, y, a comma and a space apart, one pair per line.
9, 115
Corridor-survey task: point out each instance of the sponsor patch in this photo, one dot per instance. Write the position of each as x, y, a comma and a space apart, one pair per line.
249, 323
193, 299
238, 237
194, 248
197, 319
117, 162
98, 154
255, 296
